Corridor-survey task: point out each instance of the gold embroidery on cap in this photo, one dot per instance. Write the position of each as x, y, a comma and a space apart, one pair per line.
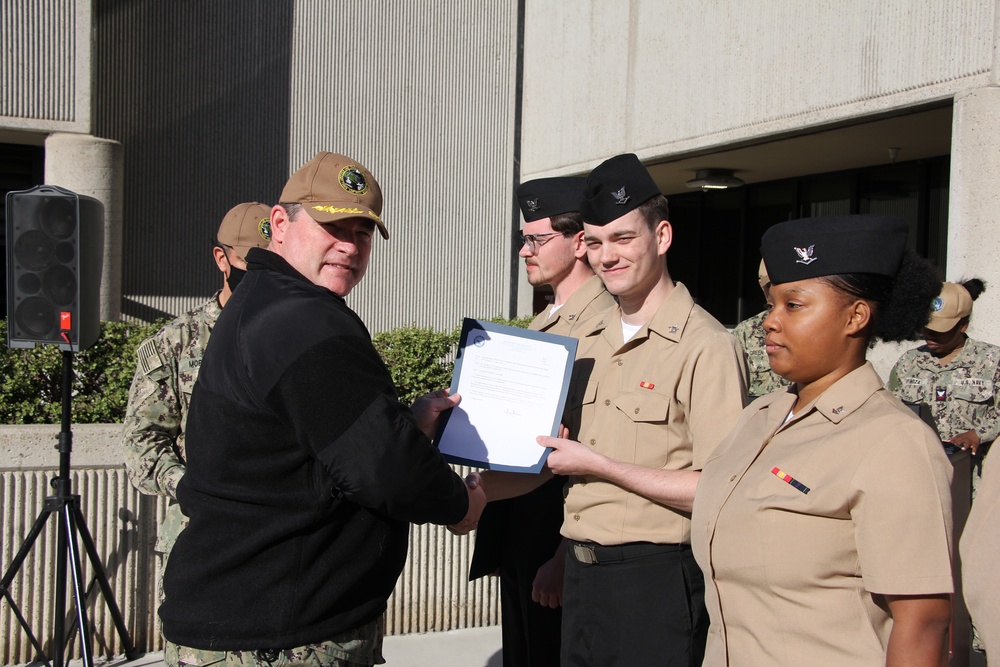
338, 209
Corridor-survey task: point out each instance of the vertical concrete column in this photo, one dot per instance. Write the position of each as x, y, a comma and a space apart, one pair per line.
93, 166
974, 204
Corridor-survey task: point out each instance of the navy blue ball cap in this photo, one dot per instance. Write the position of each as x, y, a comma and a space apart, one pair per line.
546, 197
833, 245
615, 187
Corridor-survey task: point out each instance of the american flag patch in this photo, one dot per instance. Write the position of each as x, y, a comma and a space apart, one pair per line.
646, 385
785, 477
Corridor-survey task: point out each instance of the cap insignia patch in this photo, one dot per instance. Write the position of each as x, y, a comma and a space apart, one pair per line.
805, 255
352, 180
264, 228
620, 196
937, 304
532, 204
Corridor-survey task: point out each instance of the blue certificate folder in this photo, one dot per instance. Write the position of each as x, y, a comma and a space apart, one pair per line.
514, 384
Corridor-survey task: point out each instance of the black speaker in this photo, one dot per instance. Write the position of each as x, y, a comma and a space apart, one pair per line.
55, 247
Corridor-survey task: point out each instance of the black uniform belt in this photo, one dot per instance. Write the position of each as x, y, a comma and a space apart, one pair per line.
590, 553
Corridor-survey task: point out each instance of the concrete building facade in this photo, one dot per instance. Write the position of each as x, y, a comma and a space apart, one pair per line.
170, 113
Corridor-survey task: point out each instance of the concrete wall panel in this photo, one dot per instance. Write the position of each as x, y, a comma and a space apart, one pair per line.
719, 72
45, 65
422, 93
197, 95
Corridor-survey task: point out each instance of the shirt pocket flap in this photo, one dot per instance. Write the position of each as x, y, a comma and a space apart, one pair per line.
973, 390
643, 406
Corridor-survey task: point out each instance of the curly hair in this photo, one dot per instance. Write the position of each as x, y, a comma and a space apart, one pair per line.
974, 286
902, 304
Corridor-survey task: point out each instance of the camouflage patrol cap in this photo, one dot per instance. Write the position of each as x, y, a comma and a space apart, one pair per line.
948, 308
246, 226
762, 278
615, 187
332, 187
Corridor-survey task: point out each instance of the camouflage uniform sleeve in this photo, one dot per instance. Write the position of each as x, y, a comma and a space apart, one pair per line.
893, 384
741, 334
152, 424
990, 428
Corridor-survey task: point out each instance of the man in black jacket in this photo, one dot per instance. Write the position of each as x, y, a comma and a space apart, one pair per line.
304, 470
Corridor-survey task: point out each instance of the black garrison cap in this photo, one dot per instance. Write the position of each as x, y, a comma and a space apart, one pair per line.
615, 187
833, 245
546, 197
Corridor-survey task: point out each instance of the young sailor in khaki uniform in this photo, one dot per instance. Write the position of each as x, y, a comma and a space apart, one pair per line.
823, 523
661, 382
519, 538
979, 547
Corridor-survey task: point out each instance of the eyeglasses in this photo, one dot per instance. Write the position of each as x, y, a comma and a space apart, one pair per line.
533, 242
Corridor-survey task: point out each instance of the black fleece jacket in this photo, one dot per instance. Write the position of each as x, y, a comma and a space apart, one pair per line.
303, 473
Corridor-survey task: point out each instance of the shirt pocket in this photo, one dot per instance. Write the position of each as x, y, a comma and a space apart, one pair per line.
914, 390
973, 390
646, 411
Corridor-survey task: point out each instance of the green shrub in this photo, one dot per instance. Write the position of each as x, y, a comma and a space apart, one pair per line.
420, 360
31, 379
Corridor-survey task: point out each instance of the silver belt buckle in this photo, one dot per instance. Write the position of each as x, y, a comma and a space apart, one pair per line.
584, 553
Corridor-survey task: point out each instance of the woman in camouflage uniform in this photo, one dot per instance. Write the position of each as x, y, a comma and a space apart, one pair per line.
954, 375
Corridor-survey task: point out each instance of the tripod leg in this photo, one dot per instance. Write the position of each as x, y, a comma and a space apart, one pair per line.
12, 570
24, 624
86, 645
102, 580
59, 606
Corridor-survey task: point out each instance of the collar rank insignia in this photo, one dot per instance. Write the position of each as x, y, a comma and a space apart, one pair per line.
620, 196
672, 328
532, 204
940, 393
785, 477
805, 255
837, 411
646, 385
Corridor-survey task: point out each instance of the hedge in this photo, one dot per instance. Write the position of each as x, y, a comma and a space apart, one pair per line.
420, 360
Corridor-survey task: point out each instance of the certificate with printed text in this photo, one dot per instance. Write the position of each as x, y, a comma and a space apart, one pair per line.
513, 384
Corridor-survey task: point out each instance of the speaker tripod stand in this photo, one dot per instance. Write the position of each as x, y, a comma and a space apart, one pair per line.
72, 529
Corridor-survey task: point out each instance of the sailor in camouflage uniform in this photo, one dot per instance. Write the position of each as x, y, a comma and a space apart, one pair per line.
954, 375
168, 362
750, 335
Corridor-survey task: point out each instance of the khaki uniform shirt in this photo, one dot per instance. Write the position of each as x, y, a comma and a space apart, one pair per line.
523, 529
588, 301
153, 430
664, 400
980, 549
761, 379
798, 524
961, 394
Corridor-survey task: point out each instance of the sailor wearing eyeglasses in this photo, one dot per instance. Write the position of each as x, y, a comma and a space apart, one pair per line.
519, 538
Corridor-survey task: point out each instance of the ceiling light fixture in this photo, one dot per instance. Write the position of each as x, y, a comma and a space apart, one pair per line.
714, 179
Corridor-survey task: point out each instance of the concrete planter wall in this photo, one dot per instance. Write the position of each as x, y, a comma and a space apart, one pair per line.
432, 594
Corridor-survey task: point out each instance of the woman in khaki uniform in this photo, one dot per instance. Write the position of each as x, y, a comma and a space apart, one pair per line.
823, 521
